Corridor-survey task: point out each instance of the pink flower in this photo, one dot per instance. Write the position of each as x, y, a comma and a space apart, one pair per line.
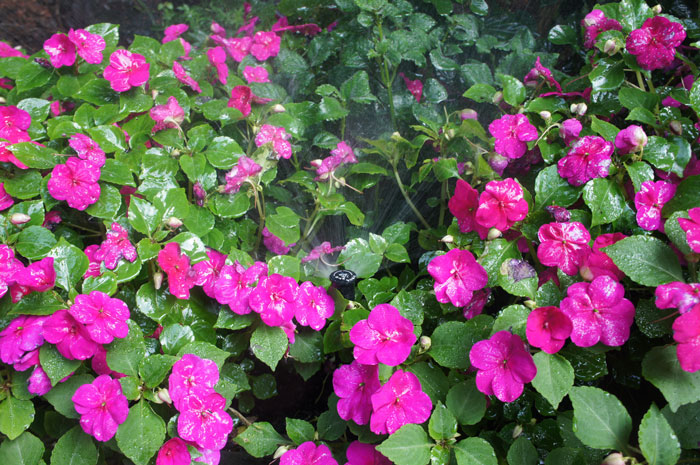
102, 407
317, 252
71, 338
654, 44
241, 97
355, 384
414, 86
6, 200
457, 275
274, 244
104, 317
204, 421
88, 45
245, 168
512, 132
384, 337
278, 137
9, 266
87, 149
75, 182
174, 452
686, 83
61, 50
596, 22
631, 139
308, 454
217, 58
463, 206
51, 218
255, 74
235, 283
39, 276
650, 200
14, 123
314, 306
678, 295
185, 78
7, 51
100, 366
588, 158
359, 453
126, 70
598, 312
23, 334
564, 245
174, 31
548, 328
477, 304
282, 25
238, 48
501, 205
181, 276
540, 71
265, 45
115, 247
167, 116
191, 375
504, 365
399, 402
570, 130
275, 299
9, 157
39, 382
597, 263
692, 228
218, 29
208, 271
686, 332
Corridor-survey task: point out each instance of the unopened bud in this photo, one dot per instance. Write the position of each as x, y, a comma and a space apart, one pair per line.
579, 109
450, 134
351, 305
164, 396
611, 47
157, 280
175, 153
531, 304
19, 218
615, 458
281, 450
494, 234
517, 431
448, 239
497, 97
676, 127
545, 115
174, 222
277, 108
2, 100
425, 343
154, 93
395, 135
656, 9
468, 113
316, 163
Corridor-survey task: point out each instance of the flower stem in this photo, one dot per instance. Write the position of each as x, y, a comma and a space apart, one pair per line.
408, 199
240, 416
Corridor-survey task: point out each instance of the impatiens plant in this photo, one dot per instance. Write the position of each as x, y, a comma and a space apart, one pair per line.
362, 232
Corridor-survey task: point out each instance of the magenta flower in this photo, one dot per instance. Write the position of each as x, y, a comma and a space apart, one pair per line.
104, 317
359, 453
504, 365
598, 312
588, 158
477, 304
23, 334
39, 276
88, 45
167, 116
174, 31
241, 96
39, 382
9, 267
654, 44
75, 182
548, 328
115, 247
512, 132
278, 137
384, 337
6, 200
686, 332
274, 244
314, 306
181, 276
399, 402
87, 149
414, 86
650, 200
235, 284
457, 275
596, 22
238, 48
570, 130
597, 263
265, 45
61, 50
631, 139
204, 421
501, 205
7, 51
102, 407
245, 169
191, 375
355, 384
308, 453
275, 299
678, 295
564, 245
71, 337
208, 271
256, 74
14, 123
126, 70
185, 78
174, 452
463, 205
540, 71
100, 366
217, 58
325, 248
692, 228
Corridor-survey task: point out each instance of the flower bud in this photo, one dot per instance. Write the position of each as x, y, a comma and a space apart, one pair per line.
545, 115
164, 396
656, 9
447, 239
154, 93
425, 343
281, 450
468, 113
157, 280
517, 431
175, 153
676, 127
19, 218
316, 163
494, 234
450, 134
579, 109
531, 304
615, 458
277, 108
174, 222
497, 97
2, 100
351, 305
611, 47
395, 135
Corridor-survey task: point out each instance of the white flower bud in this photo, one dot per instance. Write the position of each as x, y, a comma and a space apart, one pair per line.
19, 218
425, 343
164, 396
676, 127
615, 458
494, 234
497, 97
281, 450
579, 109
277, 108
468, 113
656, 9
316, 163
517, 431
174, 222
545, 115
157, 280
531, 304
2, 100
447, 239
611, 47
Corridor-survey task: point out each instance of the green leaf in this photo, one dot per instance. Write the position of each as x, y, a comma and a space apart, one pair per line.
205, 350
639, 172
260, 439
633, 13
642, 115
98, 92
231, 205
694, 97
192, 245
432, 379
56, 365
15, 416
606, 130
670, 155
117, 172
357, 88
269, 345
35, 242
284, 224
330, 425
434, 92
480, 93
552, 189
600, 419
397, 253
555, 377
475, 451
513, 90
496, 252
451, 343
605, 199
608, 75
174, 337
522, 452
443, 424
124, 355
512, 318
27, 449
285, 265
652, 321
646, 260
358, 257
299, 431
60, 396
143, 216
108, 31
74, 448
35, 156
154, 368
563, 35
307, 347
70, 264
661, 368
407, 446
657, 440
674, 232
142, 434
24, 185
32, 75
37, 108
685, 422
466, 403
687, 196
223, 152
634, 98
108, 205
331, 109
110, 137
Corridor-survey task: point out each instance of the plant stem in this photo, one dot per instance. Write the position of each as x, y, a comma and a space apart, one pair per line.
240, 416
443, 197
408, 199
693, 271
640, 81
387, 79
